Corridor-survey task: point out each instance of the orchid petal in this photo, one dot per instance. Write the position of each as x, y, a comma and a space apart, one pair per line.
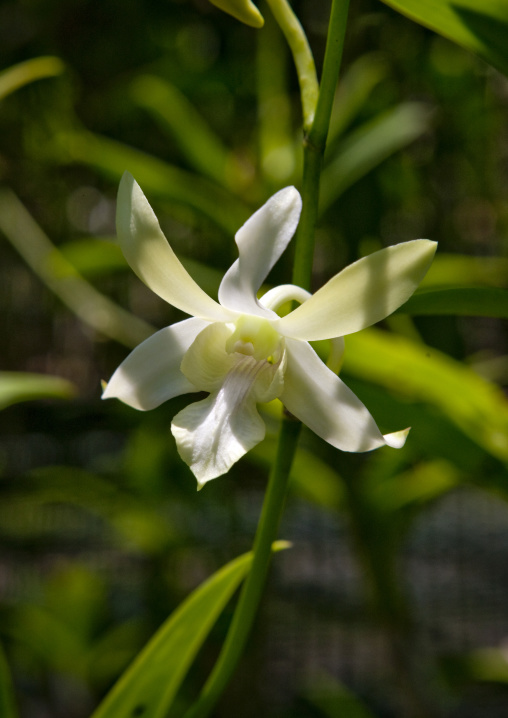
322, 401
362, 294
211, 435
151, 373
147, 251
261, 241
207, 362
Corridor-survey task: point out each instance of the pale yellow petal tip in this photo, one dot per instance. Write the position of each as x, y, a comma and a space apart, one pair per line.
397, 439
243, 10
104, 386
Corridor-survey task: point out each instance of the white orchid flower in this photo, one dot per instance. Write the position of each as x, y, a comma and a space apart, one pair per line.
240, 351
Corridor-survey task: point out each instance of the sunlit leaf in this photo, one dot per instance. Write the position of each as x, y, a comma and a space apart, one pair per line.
365, 148
470, 301
138, 524
60, 276
484, 665
150, 684
481, 27
422, 373
22, 74
449, 270
353, 91
19, 386
7, 702
194, 137
157, 178
91, 256
425, 482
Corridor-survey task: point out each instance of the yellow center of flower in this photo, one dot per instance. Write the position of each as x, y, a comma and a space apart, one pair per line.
255, 337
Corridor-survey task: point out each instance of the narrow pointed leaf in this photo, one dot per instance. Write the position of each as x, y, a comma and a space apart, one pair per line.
22, 74
468, 301
422, 373
18, 386
7, 702
368, 146
150, 684
480, 27
161, 179
182, 121
461, 270
41, 255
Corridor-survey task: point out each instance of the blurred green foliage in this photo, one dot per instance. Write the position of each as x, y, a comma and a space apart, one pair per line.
101, 532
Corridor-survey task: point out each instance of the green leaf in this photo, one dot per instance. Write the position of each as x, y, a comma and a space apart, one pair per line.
423, 483
481, 27
7, 701
353, 91
333, 699
22, 74
469, 301
449, 270
484, 665
365, 148
422, 373
150, 684
179, 118
18, 386
156, 177
60, 277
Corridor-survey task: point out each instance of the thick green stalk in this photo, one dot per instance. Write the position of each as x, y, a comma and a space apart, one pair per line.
253, 586
315, 143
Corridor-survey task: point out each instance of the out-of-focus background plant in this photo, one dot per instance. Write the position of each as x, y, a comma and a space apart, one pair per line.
392, 601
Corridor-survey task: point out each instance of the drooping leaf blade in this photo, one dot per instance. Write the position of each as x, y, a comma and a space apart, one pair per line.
28, 71
181, 120
422, 373
369, 145
468, 301
481, 28
18, 386
461, 270
150, 684
7, 702
92, 307
156, 177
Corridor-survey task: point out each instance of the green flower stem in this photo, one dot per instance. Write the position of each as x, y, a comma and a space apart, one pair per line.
253, 586
302, 56
316, 131
315, 143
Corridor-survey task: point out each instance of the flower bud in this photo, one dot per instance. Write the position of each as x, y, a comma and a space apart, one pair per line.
243, 10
